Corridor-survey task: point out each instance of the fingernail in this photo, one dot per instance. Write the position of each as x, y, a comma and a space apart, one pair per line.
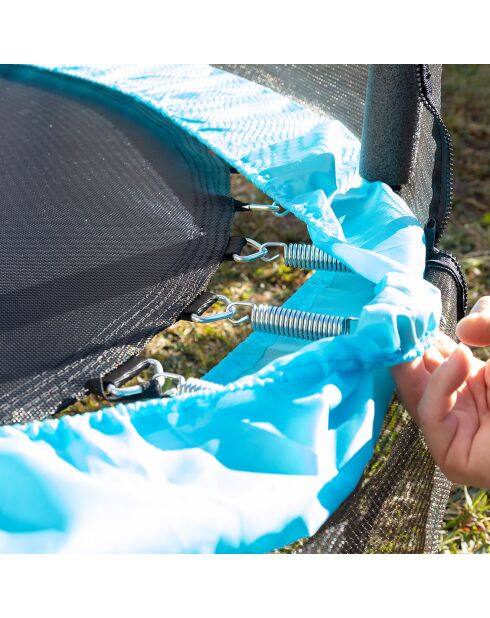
482, 304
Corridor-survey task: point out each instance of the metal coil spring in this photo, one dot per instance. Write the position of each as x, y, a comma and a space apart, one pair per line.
296, 323
195, 385
310, 257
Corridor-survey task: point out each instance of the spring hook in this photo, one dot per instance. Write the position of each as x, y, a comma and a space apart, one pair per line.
296, 255
274, 208
260, 253
282, 321
184, 386
158, 384
277, 212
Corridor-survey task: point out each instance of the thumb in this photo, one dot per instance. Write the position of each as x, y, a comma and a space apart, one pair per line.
474, 329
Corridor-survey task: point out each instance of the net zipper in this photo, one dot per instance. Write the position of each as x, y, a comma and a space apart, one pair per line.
442, 199
441, 204
443, 261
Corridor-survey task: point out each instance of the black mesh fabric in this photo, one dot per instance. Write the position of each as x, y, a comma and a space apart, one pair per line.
334, 90
113, 221
338, 91
399, 503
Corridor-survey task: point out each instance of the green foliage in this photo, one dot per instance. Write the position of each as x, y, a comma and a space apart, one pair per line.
467, 522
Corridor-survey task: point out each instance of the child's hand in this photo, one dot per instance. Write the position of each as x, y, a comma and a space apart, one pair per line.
447, 392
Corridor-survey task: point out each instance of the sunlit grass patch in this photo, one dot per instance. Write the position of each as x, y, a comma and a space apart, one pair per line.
467, 522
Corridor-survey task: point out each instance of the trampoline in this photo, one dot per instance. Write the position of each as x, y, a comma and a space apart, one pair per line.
116, 213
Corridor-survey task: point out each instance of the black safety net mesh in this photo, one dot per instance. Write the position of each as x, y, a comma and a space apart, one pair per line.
399, 503
113, 221
339, 91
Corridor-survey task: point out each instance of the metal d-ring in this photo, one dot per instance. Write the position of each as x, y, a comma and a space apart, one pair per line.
260, 253
228, 313
178, 384
295, 255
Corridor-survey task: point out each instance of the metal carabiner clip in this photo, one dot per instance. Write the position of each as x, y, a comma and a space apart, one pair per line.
120, 392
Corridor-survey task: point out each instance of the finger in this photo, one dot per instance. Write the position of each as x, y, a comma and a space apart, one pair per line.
486, 376
411, 379
440, 394
442, 347
474, 329
433, 359
482, 304
445, 345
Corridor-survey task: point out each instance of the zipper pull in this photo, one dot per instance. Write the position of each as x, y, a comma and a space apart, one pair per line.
430, 238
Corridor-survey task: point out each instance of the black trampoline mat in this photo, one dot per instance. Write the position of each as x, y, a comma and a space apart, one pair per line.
113, 220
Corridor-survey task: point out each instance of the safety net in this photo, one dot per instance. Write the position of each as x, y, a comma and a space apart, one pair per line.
116, 199
107, 210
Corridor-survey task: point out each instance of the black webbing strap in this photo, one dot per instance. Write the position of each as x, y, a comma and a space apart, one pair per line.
199, 305
134, 366
239, 206
205, 300
235, 246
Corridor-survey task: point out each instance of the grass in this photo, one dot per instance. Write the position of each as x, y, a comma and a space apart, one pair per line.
467, 522
466, 98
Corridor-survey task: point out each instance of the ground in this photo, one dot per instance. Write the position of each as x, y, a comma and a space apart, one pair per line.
192, 350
